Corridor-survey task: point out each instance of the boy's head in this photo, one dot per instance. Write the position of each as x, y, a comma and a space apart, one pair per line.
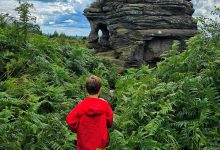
93, 85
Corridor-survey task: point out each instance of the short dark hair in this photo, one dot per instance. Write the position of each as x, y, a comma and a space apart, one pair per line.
93, 84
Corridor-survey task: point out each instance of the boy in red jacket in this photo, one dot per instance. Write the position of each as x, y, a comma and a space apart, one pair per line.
91, 118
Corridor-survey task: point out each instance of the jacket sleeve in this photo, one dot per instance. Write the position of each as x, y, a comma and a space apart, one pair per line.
109, 116
73, 117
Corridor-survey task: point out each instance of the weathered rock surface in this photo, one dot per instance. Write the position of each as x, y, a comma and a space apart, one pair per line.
139, 31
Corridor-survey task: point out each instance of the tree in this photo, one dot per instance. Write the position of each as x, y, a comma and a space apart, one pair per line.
25, 20
3, 20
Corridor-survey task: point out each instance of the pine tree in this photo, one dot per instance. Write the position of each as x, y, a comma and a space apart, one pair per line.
25, 21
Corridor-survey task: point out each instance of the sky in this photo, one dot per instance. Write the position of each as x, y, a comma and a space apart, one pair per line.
66, 16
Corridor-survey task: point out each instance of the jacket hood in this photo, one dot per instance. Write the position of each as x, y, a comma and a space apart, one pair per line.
95, 109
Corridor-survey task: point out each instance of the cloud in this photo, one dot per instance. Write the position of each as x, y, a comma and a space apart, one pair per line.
51, 22
203, 7
69, 21
66, 16
8, 6
51, 11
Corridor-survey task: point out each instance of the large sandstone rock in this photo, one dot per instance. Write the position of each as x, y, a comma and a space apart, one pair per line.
139, 31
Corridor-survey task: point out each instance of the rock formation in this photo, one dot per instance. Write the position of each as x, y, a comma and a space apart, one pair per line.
139, 31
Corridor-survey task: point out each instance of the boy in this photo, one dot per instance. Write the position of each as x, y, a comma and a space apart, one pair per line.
91, 118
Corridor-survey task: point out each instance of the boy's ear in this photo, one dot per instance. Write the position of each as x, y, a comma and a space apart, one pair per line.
100, 90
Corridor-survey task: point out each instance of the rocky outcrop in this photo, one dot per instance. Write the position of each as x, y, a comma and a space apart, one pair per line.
139, 31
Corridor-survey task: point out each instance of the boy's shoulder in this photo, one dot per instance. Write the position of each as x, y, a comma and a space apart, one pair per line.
105, 102
103, 99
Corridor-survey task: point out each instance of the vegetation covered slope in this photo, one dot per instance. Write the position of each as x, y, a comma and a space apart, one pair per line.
41, 80
177, 104
173, 106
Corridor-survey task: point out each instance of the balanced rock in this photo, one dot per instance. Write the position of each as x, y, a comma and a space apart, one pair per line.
139, 31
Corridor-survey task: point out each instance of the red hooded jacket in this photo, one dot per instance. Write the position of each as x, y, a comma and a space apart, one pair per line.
90, 119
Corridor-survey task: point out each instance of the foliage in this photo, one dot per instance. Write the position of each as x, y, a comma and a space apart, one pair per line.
25, 22
173, 106
39, 84
210, 26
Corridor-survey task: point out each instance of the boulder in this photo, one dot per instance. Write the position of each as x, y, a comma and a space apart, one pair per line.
139, 31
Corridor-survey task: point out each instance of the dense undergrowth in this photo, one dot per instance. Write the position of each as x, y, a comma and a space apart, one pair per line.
173, 106
41, 80
176, 105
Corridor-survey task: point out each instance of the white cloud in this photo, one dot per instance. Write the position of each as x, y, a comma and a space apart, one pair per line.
51, 23
69, 21
203, 7
8, 6
79, 1
51, 10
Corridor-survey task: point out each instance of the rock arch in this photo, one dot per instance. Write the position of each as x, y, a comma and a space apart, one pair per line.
99, 42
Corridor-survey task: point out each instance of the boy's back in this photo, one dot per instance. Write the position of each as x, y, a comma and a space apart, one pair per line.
91, 119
